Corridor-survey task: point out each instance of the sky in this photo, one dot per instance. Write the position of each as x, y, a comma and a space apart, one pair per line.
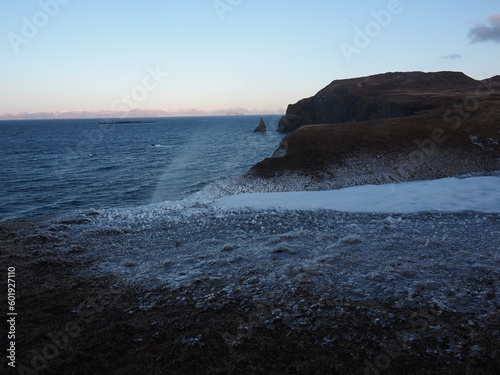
261, 55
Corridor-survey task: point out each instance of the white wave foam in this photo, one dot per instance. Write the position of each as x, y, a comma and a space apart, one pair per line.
249, 184
161, 146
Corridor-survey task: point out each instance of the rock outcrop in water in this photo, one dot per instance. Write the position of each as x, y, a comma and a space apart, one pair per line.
261, 128
388, 128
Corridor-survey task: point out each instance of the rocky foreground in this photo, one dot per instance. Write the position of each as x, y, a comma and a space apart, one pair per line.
389, 128
211, 291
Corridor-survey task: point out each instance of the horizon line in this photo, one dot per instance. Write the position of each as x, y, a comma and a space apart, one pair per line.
139, 113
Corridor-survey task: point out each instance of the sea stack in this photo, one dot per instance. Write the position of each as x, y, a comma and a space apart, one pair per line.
261, 128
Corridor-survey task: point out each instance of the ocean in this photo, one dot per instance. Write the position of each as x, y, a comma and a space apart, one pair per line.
55, 166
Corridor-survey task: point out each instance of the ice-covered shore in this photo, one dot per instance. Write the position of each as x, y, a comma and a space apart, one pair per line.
480, 194
448, 257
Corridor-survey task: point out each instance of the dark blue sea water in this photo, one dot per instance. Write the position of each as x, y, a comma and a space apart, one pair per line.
53, 166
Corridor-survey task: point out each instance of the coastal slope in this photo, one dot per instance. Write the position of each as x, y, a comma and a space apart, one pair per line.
435, 125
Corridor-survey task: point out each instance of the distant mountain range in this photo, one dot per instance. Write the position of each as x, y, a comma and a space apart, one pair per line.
140, 113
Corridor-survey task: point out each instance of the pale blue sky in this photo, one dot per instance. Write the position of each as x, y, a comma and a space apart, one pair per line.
260, 54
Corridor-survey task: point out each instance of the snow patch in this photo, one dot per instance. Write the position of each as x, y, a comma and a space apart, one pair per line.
481, 194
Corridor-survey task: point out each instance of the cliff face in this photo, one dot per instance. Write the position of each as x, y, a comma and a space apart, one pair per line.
381, 96
433, 125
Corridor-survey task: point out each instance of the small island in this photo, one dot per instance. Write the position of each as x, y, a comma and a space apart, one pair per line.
127, 122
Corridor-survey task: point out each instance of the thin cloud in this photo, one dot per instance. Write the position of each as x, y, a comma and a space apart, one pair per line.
486, 33
454, 56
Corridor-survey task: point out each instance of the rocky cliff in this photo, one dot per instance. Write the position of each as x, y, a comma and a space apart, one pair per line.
388, 128
380, 96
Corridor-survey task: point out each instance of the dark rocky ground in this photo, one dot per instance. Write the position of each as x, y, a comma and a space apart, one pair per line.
104, 324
